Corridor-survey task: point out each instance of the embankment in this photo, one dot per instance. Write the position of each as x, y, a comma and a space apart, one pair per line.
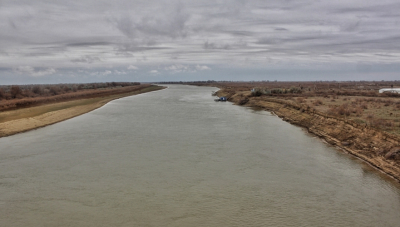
25, 119
378, 148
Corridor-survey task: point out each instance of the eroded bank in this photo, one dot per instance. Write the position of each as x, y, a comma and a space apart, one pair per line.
379, 149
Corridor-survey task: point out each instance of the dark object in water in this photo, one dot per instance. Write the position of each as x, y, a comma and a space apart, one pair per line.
220, 99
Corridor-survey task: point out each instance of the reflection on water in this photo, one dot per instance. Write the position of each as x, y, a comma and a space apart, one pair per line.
177, 158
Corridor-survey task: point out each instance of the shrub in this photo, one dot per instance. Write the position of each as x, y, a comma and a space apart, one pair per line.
2, 94
74, 88
28, 93
37, 90
20, 103
21, 91
317, 102
54, 90
243, 101
364, 106
343, 111
16, 92
300, 99
358, 111
257, 93
295, 90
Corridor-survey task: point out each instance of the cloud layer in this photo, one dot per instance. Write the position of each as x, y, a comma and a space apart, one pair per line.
39, 38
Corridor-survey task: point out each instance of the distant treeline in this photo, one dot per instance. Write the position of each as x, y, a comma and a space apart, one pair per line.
9, 92
21, 96
192, 82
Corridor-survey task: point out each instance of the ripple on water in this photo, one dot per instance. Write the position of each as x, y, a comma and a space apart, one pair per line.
177, 158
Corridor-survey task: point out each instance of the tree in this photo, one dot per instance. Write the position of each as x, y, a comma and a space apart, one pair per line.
37, 90
2, 94
15, 91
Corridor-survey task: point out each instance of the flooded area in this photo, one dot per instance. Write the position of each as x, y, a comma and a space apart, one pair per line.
177, 158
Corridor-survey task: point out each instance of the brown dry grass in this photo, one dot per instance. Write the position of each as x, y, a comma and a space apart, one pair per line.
358, 101
345, 119
24, 119
16, 103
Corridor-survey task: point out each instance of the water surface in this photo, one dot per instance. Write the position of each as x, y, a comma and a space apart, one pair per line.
177, 158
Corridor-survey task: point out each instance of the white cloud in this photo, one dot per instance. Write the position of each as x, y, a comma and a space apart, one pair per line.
24, 69
132, 67
154, 71
178, 68
107, 72
202, 67
30, 71
119, 72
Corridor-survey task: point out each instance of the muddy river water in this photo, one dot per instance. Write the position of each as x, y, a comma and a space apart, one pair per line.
177, 158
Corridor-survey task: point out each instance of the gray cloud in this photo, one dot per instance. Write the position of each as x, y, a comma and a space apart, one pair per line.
281, 29
30, 71
157, 34
80, 44
86, 59
167, 22
208, 46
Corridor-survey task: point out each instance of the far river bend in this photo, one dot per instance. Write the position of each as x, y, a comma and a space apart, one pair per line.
177, 158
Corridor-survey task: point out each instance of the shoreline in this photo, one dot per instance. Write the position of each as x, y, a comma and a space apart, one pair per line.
26, 119
369, 145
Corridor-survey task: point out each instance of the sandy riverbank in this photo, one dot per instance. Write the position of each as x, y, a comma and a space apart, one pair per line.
25, 119
375, 147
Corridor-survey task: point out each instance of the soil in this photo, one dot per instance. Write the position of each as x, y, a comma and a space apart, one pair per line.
25, 119
376, 147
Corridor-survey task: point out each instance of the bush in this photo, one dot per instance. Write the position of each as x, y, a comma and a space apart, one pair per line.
343, 110
16, 92
37, 90
257, 93
364, 106
317, 102
90, 93
2, 94
54, 90
276, 91
300, 99
21, 91
243, 101
295, 90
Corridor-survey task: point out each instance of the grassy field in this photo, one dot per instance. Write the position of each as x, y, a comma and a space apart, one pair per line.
382, 113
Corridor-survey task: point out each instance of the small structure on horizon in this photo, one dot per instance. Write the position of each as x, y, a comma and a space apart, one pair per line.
389, 90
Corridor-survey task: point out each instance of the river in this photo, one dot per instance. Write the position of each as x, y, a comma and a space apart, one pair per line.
177, 158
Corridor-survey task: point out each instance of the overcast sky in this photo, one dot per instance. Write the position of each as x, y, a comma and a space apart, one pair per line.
154, 40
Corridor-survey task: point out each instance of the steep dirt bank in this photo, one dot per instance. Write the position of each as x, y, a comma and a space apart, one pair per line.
58, 96
379, 149
25, 119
